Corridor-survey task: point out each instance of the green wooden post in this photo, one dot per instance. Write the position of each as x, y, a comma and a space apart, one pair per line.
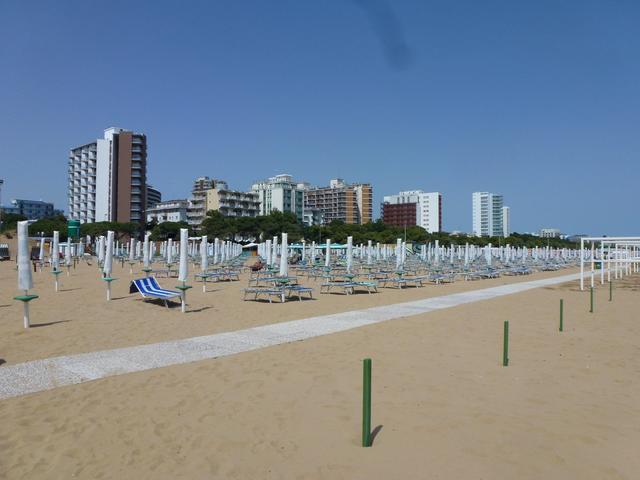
591, 293
505, 347
610, 291
366, 402
561, 315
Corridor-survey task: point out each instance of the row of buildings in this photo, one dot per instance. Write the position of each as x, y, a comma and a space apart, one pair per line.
351, 203
107, 181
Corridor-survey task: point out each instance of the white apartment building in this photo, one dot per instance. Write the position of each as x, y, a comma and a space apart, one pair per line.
487, 214
168, 211
107, 178
506, 221
428, 209
550, 233
280, 193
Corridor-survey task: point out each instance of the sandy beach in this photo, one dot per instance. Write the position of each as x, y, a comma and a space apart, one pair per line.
443, 405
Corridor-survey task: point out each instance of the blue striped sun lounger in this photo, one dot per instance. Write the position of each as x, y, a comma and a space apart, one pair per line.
149, 289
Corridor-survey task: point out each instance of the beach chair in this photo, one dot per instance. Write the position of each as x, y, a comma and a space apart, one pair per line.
4, 252
298, 290
266, 292
149, 289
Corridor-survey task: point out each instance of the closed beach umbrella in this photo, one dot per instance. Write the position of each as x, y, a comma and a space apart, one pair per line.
132, 250
274, 253
25, 282
183, 271
108, 257
145, 252
327, 258
284, 265
204, 259
67, 253
170, 251
99, 247
349, 253
41, 254
184, 245
55, 255
398, 254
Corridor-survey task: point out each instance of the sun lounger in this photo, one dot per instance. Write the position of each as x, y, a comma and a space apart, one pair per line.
267, 292
439, 278
149, 289
348, 288
4, 251
298, 290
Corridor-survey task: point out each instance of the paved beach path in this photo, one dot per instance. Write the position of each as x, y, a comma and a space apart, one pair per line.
39, 375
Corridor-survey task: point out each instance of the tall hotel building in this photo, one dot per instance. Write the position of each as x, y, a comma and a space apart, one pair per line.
488, 215
413, 207
108, 177
280, 193
351, 203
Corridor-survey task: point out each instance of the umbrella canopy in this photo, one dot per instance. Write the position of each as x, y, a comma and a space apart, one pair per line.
327, 258
145, 252
67, 253
108, 257
41, 254
99, 247
25, 282
204, 259
170, 250
55, 256
183, 271
284, 265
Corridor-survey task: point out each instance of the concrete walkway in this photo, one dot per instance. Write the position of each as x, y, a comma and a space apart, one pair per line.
47, 374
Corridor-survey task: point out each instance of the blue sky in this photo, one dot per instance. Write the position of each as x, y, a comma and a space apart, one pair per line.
537, 100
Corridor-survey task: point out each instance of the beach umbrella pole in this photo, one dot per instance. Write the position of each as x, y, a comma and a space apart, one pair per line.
505, 345
561, 315
366, 402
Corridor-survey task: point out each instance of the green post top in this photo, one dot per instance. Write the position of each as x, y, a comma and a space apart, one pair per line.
25, 298
147, 270
57, 272
108, 279
183, 287
73, 229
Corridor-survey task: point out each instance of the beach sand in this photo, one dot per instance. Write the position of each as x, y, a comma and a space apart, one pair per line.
566, 407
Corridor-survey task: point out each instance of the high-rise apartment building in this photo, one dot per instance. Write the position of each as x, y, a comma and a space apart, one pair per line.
232, 203
506, 221
487, 214
351, 203
107, 178
154, 196
211, 194
414, 207
280, 193
198, 201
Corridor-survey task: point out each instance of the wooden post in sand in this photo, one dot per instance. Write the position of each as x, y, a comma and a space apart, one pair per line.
505, 346
561, 314
366, 402
610, 291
